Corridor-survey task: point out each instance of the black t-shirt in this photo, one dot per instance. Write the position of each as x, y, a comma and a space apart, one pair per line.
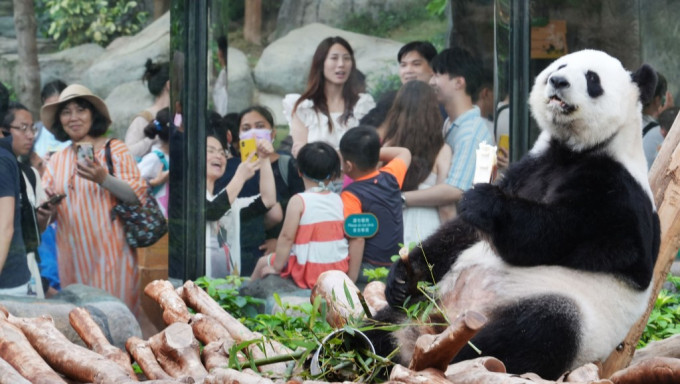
15, 271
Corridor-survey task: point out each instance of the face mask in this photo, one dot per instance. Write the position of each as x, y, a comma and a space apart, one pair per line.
257, 133
178, 120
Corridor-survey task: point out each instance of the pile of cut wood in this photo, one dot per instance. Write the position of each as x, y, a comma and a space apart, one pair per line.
33, 350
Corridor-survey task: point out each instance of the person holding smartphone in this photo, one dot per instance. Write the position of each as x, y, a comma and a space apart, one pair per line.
92, 247
17, 123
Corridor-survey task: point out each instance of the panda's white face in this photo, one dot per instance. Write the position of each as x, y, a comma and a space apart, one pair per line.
585, 99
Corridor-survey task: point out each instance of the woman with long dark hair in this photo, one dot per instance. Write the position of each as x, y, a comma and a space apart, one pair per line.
414, 122
333, 101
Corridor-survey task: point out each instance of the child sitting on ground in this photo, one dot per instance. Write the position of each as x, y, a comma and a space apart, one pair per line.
312, 239
376, 191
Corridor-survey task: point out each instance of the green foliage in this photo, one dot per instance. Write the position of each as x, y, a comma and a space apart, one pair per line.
664, 321
383, 22
436, 7
377, 274
74, 22
385, 83
302, 325
225, 292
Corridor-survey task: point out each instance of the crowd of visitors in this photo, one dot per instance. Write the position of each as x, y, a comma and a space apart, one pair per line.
405, 161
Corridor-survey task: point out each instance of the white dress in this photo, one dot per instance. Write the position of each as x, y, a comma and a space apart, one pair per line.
421, 222
317, 122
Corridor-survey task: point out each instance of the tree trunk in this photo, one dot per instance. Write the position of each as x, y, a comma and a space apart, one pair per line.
28, 90
159, 8
252, 25
664, 178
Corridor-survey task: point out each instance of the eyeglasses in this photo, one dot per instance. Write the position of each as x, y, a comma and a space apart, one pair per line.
216, 151
25, 128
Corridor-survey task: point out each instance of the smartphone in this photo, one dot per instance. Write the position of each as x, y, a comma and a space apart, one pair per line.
85, 151
504, 142
248, 146
53, 200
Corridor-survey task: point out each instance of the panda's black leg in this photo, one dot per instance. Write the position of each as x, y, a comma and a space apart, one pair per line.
539, 335
429, 261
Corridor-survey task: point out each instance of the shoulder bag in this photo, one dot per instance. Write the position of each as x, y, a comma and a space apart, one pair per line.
144, 223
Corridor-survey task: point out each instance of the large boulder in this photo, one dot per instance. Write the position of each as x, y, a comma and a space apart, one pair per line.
284, 64
124, 103
123, 61
111, 314
274, 103
241, 86
296, 13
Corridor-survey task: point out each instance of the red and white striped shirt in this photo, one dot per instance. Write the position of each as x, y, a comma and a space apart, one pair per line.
320, 244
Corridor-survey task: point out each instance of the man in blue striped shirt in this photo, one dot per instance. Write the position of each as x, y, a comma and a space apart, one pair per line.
456, 80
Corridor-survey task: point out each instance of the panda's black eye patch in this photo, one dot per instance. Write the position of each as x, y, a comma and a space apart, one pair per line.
593, 83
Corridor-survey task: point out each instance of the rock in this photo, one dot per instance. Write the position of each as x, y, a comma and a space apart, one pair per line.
284, 65
123, 61
296, 13
7, 26
273, 102
110, 313
125, 102
68, 65
241, 86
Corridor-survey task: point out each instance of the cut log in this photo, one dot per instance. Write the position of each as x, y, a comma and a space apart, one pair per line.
16, 350
214, 356
664, 179
331, 286
229, 376
437, 351
585, 373
374, 294
428, 376
177, 351
9, 375
207, 329
73, 361
143, 355
174, 308
201, 302
94, 338
657, 370
669, 347
486, 363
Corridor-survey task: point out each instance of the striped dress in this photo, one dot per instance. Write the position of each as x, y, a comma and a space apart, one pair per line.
320, 244
92, 248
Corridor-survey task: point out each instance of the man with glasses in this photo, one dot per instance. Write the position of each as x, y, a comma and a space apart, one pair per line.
19, 135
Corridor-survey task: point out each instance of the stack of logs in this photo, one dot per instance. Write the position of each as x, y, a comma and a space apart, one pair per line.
33, 350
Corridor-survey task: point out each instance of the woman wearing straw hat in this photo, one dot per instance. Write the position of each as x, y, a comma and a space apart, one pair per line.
92, 247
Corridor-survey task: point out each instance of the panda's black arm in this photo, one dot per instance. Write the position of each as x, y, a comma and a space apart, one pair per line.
429, 261
607, 229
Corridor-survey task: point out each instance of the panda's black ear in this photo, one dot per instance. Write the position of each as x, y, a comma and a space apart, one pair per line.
645, 78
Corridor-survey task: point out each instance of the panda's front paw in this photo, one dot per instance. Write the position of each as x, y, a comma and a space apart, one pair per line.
479, 206
396, 287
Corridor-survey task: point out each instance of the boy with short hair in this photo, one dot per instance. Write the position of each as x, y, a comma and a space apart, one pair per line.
376, 191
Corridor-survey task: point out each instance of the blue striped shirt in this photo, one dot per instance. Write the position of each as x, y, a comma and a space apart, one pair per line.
464, 136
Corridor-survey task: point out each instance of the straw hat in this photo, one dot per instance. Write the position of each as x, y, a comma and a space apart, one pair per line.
48, 111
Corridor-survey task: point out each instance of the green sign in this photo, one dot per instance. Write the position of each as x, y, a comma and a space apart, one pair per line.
361, 225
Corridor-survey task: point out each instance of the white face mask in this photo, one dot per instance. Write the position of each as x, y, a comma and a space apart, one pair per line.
178, 120
257, 133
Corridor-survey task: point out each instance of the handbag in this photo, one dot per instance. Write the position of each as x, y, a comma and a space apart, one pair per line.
144, 223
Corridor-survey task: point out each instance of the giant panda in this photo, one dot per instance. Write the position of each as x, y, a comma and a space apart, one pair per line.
558, 254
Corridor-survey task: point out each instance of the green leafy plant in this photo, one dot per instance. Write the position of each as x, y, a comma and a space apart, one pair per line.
382, 22
664, 321
74, 22
225, 292
436, 7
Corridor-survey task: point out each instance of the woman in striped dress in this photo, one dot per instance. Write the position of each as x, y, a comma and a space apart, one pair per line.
92, 248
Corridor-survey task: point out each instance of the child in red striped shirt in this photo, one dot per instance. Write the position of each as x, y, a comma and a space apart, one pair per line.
312, 239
